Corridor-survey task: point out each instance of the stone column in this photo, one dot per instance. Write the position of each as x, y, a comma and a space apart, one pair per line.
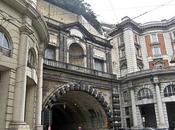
20, 89
159, 104
134, 111
39, 90
57, 54
88, 55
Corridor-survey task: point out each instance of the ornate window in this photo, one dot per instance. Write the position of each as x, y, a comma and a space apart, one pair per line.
31, 62
76, 54
127, 112
4, 44
169, 90
99, 64
121, 39
156, 50
154, 38
125, 96
123, 69
53, 38
145, 93
50, 53
122, 52
136, 38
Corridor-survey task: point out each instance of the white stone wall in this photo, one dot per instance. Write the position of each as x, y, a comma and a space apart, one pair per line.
130, 50
115, 56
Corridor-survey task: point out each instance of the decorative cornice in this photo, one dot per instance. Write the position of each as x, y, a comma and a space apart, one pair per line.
26, 9
141, 28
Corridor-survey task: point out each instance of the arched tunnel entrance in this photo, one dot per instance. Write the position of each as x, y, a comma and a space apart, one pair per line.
77, 107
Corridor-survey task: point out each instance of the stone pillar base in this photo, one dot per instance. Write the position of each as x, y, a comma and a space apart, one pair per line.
162, 127
18, 126
38, 127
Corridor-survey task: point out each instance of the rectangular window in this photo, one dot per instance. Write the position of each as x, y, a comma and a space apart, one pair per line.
53, 39
50, 53
128, 122
138, 51
122, 52
121, 39
174, 34
156, 50
135, 38
99, 64
127, 111
154, 38
125, 96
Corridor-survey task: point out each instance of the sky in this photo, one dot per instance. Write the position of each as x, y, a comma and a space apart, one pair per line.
111, 11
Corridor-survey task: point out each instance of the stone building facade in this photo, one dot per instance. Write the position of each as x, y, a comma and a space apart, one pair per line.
78, 85
23, 35
142, 57
58, 72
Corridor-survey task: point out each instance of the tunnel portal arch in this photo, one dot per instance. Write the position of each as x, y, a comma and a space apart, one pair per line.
82, 103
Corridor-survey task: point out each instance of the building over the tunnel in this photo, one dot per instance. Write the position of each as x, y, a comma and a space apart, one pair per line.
79, 88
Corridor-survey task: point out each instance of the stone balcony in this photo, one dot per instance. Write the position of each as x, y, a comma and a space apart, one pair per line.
79, 69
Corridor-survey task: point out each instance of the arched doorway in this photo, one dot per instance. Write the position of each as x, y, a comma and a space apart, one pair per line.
72, 106
76, 54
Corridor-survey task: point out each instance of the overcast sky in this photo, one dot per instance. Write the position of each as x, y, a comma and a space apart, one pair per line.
111, 11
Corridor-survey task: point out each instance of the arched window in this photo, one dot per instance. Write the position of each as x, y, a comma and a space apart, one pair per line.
144, 93
169, 90
76, 54
4, 44
31, 62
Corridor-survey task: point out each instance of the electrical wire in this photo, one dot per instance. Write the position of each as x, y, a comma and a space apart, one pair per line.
157, 7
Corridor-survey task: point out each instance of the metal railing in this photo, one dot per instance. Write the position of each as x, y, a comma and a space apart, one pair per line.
67, 66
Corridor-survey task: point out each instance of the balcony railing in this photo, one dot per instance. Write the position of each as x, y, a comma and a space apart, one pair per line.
5, 51
168, 69
67, 66
155, 43
157, 56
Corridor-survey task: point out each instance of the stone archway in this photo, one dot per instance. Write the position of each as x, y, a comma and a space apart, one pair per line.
74, 105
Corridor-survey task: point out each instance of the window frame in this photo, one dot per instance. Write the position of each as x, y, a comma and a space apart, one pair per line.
102, 63
154, 39
31, 60
5, 50
169, 90
46, 53
144, 93
154, 51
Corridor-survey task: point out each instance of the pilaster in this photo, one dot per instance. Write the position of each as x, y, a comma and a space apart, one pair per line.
133, 104
161, 118
20, 89
39, 90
